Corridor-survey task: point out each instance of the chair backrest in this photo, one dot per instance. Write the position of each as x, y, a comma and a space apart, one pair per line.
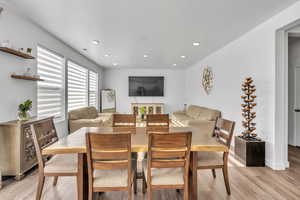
224, 131
108, 151
169, 150
158, 120
124, 120
43, 134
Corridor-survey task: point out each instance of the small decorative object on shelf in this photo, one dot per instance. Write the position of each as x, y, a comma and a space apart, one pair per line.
28, 51
143, 112
247, 109
24, 110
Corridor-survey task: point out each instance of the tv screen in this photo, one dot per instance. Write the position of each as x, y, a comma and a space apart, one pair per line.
146, 86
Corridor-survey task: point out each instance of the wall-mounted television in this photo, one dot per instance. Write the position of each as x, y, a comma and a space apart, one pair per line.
147, 86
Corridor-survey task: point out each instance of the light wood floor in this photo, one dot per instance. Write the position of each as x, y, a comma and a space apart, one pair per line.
246, 183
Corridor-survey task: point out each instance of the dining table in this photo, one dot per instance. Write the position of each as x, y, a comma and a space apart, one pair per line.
75, 143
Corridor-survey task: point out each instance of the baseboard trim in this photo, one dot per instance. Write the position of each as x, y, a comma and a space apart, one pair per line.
278, 165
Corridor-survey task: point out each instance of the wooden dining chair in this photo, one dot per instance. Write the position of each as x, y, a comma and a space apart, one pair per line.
127, 122
158, 120
218, 160
109, 162
124, 120
168, 162
44, 134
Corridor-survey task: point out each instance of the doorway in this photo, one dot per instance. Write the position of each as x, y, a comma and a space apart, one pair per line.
293, 91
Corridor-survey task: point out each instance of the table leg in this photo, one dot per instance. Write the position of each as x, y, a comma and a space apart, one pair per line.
82, 179
193, 184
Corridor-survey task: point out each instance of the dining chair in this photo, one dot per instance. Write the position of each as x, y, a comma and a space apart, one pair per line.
167, 165
124, 120
157, 120
218, 160
44, 134
127, 122
109, 162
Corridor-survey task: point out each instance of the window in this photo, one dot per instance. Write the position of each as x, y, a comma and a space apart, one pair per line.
77, 86
51, 92
93, 89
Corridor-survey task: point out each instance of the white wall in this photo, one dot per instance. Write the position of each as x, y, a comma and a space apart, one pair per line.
294, 61
174, 88
22, 33
253, 55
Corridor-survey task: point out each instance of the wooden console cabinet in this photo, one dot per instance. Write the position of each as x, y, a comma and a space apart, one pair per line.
17, 151
151, 108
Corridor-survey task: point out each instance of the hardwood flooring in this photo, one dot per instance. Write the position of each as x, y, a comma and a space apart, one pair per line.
259, 183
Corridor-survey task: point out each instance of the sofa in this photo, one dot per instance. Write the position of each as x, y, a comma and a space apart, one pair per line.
88, 117
196, 116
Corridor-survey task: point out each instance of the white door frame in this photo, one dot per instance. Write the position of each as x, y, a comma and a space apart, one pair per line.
296, 136
281, 98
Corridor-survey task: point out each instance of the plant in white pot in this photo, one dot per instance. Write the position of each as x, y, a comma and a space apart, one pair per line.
24, 110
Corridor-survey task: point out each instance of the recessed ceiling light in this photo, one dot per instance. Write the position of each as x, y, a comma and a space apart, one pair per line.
145, 56
174, 64
115, 64
95, 42
196, 43
106, 55
183, 56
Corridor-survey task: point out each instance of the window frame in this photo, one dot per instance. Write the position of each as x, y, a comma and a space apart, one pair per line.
67, 84
97, 89
63, 88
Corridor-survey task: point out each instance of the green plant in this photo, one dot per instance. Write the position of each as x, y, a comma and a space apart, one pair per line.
26, 106
143, 110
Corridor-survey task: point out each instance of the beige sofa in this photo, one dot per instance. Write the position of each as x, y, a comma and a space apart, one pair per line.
196, 116
88, 117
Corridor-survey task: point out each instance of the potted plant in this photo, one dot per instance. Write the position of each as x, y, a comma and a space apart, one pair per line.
143, 112
24, 110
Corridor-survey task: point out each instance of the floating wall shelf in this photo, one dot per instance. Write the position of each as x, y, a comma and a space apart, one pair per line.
29, 78
16, 53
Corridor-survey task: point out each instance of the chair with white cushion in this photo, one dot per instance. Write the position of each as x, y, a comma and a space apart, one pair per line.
218, 160
44, 134
109, 162
168, 162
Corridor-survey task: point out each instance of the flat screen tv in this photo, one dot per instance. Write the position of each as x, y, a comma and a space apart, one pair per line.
147, 86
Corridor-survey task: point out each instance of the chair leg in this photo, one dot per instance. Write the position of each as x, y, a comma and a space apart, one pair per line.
186, 192
213, 173
149, 193
144, 184
225, 173
135, 182
40, 186
91, 195
55, 178
130, 192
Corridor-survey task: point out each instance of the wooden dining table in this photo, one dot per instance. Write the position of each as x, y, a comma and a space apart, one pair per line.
75, 143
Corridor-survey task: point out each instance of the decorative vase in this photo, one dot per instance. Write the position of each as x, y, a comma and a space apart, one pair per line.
143, 116
23, 116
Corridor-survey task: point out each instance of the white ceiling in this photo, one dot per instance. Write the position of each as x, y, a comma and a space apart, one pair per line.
162, 29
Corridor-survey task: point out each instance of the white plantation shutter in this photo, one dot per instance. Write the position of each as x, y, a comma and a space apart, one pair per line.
51, 92
93, 89
77, 86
